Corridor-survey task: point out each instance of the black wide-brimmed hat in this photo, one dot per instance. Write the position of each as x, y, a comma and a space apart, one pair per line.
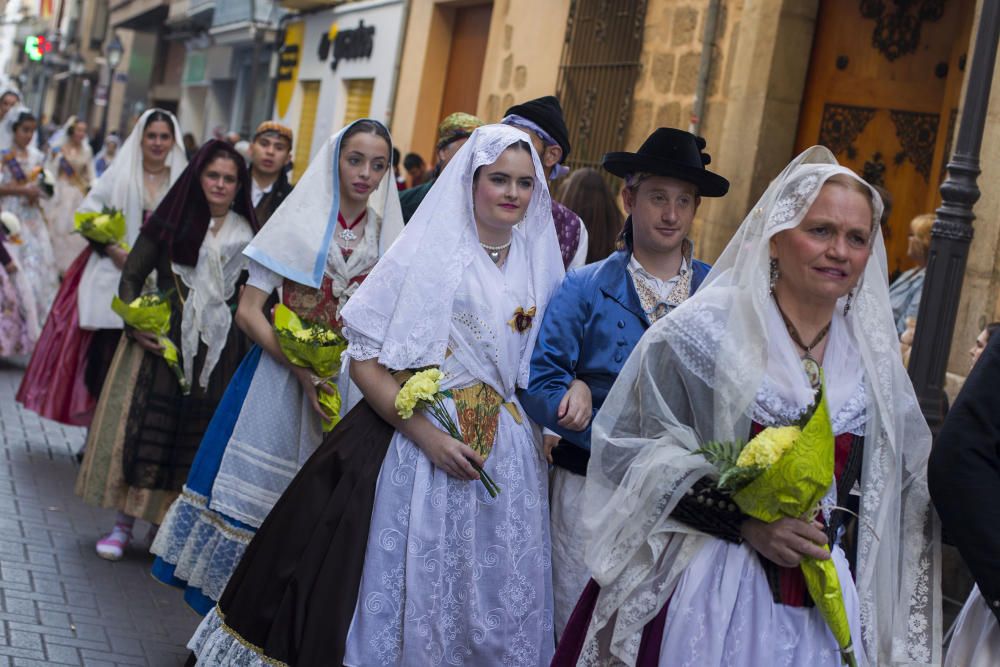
670, 152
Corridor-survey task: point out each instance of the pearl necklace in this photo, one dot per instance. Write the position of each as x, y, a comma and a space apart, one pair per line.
494, 251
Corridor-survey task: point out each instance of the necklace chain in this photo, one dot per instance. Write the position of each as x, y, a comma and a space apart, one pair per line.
809, 364
794, 333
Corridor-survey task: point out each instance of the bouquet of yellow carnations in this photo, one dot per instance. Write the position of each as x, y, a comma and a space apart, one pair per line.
107, 226
315, 346
151, 313
423, 392
786, 472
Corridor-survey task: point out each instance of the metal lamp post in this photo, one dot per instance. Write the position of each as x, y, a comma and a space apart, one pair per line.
113, 54
952, 231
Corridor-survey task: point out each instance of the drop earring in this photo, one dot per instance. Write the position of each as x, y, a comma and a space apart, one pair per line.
775, 273
847, 304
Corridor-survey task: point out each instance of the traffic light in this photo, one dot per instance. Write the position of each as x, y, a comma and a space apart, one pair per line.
36, 46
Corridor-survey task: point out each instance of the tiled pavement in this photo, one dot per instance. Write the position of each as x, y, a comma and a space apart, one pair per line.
59, 603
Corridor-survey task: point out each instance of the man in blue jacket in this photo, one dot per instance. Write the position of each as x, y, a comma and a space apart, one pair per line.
597, 316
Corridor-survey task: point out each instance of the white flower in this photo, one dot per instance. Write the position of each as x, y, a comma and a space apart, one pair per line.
11, 222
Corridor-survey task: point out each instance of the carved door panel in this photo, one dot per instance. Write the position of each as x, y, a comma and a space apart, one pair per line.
882, 94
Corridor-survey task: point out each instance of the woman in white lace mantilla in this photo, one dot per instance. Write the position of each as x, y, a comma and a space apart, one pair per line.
424, 566
684, 578
269, 421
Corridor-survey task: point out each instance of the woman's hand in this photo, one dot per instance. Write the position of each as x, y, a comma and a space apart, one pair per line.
451, 455
549, 443
117, 254
576, 406
786, 541
311, 390
148, 342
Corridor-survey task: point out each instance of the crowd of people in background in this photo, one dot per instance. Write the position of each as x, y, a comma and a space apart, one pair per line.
546, 498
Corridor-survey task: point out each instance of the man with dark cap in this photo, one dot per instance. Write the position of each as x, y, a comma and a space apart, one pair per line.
597, 316
453, 132
542, 120
269, 155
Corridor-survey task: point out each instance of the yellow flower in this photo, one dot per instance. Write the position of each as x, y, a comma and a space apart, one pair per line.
768, 446
421, 387
425, 384
405, 402
102, 220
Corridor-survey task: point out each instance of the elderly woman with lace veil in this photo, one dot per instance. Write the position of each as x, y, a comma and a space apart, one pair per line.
386, 549
680, 575
268, 422
146, 429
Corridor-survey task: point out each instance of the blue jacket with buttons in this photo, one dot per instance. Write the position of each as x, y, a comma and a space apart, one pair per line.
591, 325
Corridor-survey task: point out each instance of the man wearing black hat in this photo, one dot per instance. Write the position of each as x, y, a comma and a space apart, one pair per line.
542, 120
597, 316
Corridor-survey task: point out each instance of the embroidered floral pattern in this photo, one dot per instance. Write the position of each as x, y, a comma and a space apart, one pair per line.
478, 409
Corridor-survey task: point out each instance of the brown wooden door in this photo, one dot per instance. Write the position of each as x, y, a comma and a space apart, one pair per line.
882, 94
470, 30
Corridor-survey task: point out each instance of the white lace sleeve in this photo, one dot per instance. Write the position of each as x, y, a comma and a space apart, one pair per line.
359, 346
263, 278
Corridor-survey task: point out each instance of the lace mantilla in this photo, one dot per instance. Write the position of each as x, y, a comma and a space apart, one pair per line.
770, 408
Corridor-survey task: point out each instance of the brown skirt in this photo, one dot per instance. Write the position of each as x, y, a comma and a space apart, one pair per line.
101, 480
294, 592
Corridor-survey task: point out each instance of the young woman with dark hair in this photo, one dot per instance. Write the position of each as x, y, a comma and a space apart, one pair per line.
67, 370
318, 246
146, 431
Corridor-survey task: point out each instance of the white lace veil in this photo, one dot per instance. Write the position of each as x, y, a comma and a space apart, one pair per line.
693, 378
121, 186
295, 241
405, 304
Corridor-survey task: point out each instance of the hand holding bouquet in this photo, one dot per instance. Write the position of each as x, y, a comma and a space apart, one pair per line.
786, 472
106, 227
151, 313
423, 392
315, 346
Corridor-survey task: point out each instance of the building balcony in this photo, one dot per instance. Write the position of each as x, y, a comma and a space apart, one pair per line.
306, 5
144, 15
257, 11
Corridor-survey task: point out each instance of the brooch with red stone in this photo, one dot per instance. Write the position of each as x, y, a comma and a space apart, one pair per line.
521, 321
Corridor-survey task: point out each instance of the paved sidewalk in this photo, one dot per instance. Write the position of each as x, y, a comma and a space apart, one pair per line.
59, 603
